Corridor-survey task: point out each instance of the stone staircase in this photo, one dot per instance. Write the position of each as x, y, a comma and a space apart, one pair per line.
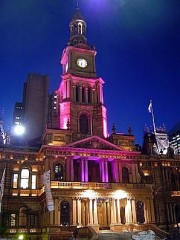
110, 235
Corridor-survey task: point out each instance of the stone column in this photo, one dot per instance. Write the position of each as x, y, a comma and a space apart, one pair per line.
95, 212
80, 94
104, 210
68, 167
113, 217
145, 212
90, 211
56, 211
86, 95
82, 169
171, 213
116, 171
152, 210
118, 211
102, 171
51, 217
128, 212
134, 211
86, 170
72, 169
68, 88
79, 211
106, 171
114, 210
74, 212
120, 171
74, 93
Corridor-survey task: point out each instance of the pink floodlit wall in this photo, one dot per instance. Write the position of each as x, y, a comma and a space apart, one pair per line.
104, 115
64, 114
101, 94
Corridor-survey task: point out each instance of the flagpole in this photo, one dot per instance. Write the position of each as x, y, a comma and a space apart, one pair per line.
150, 108
2, 188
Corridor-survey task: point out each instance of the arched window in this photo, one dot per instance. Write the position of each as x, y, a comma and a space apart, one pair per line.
65, 216
22, 217
83, 124
24, 178
80, 28
125, 175
58, 172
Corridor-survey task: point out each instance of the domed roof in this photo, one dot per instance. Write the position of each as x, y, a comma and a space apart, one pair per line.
77, 15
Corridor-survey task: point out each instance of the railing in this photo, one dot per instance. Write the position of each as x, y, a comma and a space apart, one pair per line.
78, 185
95, 185
26, 192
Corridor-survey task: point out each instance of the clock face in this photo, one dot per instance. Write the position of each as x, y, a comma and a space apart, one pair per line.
82, 63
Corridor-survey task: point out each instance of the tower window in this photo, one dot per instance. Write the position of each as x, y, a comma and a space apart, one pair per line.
89, 95
83, 94
80, 28
83, 124
77, 94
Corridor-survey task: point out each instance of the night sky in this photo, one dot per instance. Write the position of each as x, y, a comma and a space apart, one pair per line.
138, 54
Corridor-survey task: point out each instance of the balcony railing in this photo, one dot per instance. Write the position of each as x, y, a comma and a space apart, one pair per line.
95, 185
26, 192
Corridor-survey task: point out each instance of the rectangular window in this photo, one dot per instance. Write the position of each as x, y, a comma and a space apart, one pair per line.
33, 181
15, 180
13, 220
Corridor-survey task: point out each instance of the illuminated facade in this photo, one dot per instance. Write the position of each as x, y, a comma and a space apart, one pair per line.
96, 180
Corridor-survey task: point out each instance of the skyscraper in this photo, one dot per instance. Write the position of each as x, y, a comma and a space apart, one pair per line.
32, 112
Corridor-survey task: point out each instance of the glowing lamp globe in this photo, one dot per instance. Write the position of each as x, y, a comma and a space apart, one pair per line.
19, 130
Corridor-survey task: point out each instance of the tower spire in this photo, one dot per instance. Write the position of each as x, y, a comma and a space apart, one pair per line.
77, 4
77, 29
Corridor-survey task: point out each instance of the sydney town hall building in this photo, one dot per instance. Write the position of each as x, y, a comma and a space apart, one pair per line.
81, 177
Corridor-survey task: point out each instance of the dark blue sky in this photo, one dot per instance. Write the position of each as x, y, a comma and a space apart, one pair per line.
138, 54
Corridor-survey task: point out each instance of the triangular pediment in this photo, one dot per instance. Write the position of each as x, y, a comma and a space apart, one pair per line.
94, 142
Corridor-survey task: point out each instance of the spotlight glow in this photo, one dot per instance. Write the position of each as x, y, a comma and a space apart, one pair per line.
19, 130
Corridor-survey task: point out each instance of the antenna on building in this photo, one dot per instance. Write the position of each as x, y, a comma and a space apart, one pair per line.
77, 4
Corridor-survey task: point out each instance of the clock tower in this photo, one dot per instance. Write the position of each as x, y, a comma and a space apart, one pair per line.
80, 94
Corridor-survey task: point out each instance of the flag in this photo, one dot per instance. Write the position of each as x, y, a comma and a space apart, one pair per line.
2, 188
47, 185
150, 107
